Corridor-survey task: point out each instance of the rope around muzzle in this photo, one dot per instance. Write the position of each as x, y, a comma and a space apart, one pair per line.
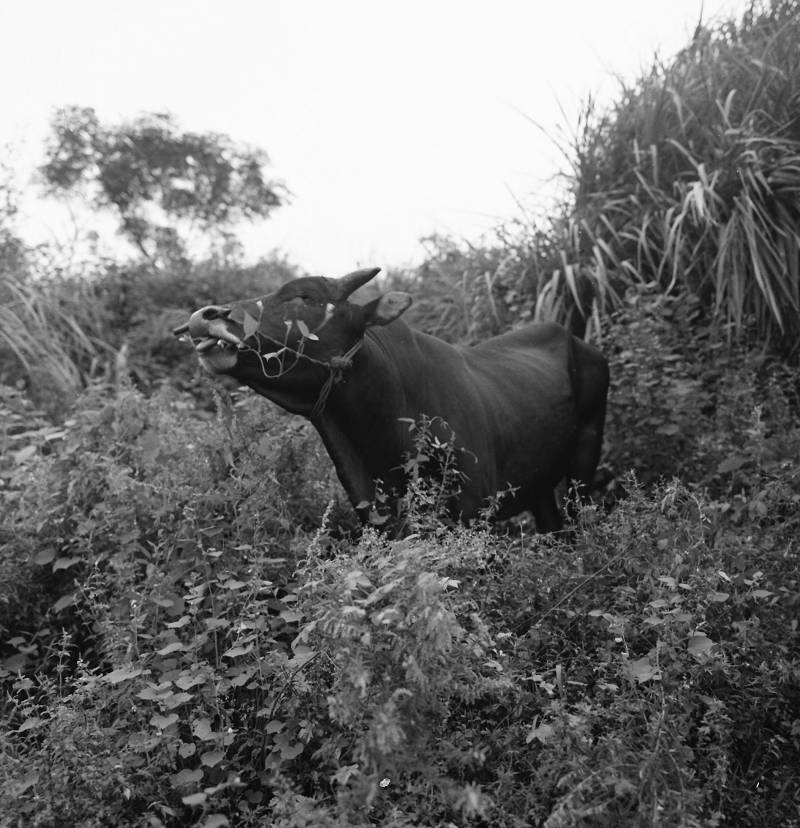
335, 366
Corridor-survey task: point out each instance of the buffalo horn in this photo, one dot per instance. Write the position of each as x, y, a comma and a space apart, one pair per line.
353, 281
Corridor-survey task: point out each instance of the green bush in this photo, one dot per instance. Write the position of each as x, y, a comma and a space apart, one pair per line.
130, 480
231, 662
59, 333
190, 635
682, 404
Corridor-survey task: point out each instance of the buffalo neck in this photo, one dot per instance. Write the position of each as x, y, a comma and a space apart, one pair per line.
361, 422
373, 390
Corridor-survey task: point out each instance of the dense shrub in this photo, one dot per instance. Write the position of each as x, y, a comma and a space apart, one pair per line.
111, 323
191, 633
682, 404
232, 662
129, 480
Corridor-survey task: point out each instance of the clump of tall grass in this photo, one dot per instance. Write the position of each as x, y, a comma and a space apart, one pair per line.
689, 183
692, 180
56, 329
466, 293
62, 330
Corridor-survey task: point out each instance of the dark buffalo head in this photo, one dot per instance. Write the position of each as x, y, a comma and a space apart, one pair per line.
287, 345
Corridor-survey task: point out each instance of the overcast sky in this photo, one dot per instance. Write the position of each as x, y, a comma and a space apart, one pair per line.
387, 120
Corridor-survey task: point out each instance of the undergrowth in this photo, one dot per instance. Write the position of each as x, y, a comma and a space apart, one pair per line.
194, 632
186, 645
111, 324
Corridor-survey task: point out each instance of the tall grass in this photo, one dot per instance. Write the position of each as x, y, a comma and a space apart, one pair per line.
57, 331
61, 331
526, 273
689, 184
692, 180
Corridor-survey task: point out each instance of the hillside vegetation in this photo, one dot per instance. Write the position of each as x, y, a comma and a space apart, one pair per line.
194, 630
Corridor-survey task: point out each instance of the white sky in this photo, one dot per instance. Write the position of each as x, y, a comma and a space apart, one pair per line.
387, 120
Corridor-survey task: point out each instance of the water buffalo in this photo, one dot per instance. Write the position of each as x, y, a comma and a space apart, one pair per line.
526, 407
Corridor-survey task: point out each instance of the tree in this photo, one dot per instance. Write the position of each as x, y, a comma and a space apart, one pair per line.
154, 176
13, 251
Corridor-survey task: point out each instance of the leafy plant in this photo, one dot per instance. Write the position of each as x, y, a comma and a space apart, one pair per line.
183, 642
233, 661
681, 403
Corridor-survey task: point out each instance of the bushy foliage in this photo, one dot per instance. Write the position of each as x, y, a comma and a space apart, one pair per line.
60, 331
129, 480
192, 632
682, 404
232, 661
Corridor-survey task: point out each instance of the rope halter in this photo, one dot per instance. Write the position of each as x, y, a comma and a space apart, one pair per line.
336, 367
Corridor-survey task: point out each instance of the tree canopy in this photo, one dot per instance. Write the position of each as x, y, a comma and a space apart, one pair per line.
154, 175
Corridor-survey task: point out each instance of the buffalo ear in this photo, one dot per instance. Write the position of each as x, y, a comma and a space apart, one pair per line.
387, 308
